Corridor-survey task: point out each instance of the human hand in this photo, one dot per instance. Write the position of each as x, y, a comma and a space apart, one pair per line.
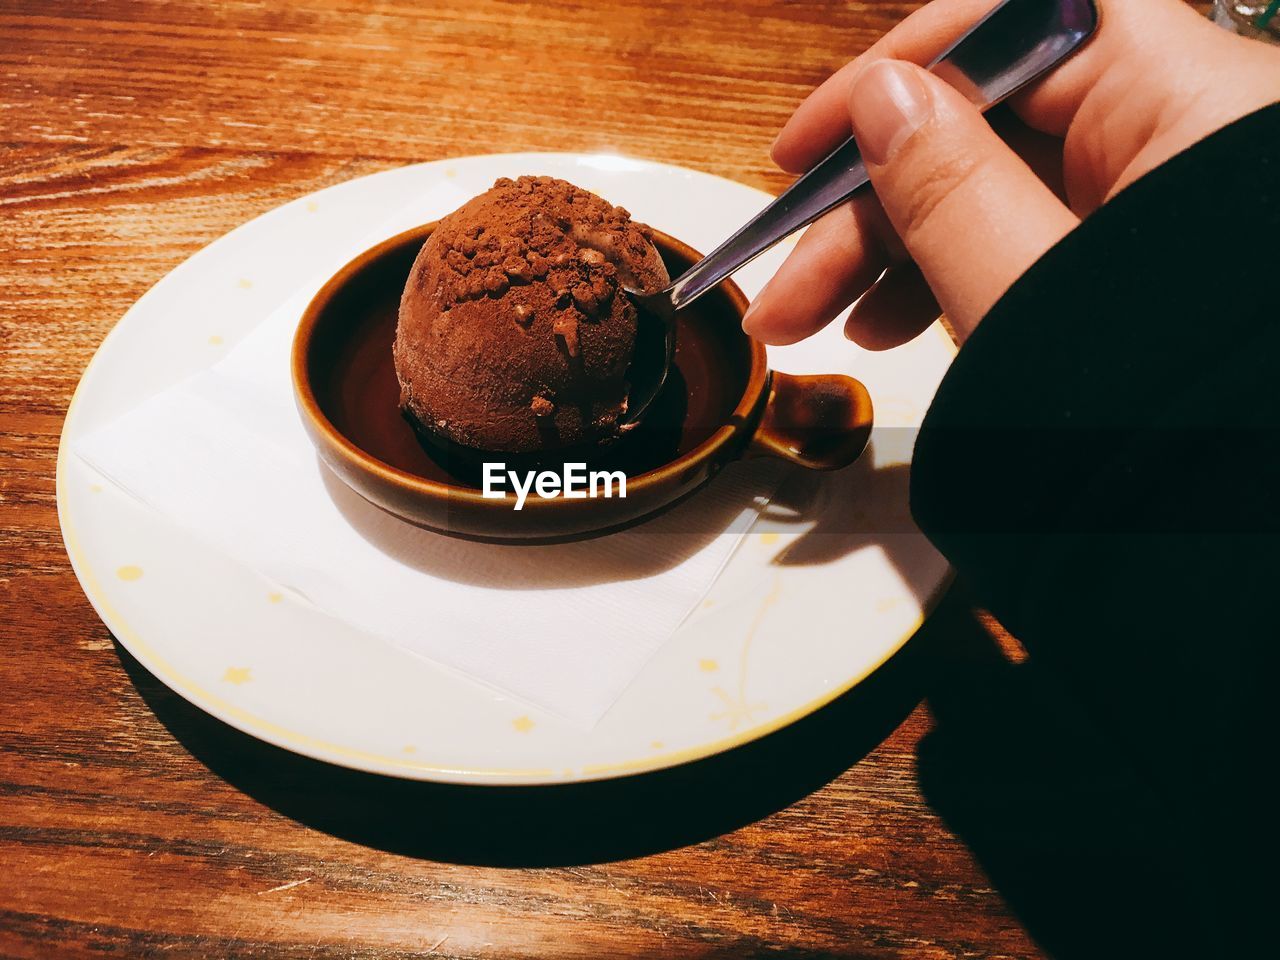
958, 214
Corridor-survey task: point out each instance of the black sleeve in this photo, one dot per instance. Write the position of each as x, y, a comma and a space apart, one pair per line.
1102, 466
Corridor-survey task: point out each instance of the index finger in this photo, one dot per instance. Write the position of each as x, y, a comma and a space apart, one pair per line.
821, 122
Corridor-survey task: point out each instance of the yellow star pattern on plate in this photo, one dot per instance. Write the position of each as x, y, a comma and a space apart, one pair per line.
522, 724
129, 572
237, 675
885, 604
708, 666
737, 710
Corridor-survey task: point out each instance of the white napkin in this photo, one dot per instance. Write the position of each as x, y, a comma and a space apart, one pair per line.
565, 627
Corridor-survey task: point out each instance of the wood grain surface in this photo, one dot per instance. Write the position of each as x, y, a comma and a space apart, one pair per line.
955, 806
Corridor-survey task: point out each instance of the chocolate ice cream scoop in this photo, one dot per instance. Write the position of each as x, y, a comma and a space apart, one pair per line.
515, 334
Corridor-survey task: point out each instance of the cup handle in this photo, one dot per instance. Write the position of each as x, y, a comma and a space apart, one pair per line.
821, 422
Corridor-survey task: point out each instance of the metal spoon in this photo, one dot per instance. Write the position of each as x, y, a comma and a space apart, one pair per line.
1017, 43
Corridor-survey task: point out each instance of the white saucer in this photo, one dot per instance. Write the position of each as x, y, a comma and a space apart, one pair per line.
809, 606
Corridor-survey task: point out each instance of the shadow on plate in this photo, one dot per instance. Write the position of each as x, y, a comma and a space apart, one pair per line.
844, 511
852, 509
644, 550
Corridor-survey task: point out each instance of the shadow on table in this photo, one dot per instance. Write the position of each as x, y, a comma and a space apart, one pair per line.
1068, 835
1077, 844
565, 824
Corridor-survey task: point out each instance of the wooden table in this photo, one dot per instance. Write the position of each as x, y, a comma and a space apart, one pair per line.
987, 821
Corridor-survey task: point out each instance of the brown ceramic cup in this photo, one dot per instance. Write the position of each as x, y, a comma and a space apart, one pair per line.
721, 403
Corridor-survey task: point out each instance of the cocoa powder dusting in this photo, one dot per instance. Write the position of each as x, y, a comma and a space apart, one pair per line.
516, 299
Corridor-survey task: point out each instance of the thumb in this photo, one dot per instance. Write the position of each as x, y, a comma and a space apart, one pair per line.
971, 214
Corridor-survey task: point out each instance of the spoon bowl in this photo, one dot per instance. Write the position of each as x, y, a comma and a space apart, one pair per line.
655, 351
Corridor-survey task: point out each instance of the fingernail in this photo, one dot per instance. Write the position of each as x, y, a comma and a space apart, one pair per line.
888, 103
746, 318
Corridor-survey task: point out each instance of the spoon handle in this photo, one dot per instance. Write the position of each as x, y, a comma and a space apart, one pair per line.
1015, 44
